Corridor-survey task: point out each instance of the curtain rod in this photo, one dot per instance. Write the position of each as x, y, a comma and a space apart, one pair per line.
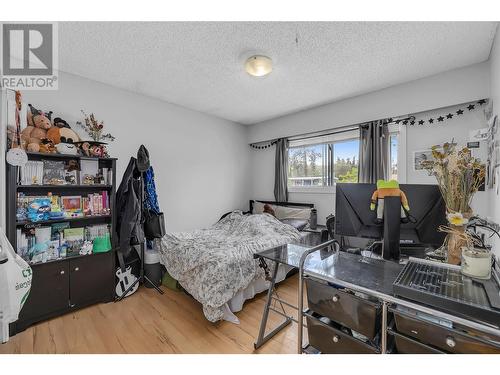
339, 130
343, 129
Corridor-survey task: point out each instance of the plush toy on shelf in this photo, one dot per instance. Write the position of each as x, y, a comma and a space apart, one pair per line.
63, 137
46, 146
388, 189
38, 125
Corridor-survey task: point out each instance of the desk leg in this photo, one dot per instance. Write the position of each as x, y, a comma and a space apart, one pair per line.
263, 338
300, 312
384, 328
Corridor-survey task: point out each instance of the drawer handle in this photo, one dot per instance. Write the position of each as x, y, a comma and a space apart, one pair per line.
77, 269
450, 341
336, 339
335, 298
62, 272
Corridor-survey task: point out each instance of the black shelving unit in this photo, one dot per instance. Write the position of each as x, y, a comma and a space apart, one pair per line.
66, 284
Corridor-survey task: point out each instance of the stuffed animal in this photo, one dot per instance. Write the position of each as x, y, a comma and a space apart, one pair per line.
388, 189
269, 210
60, 123
47, 146
38, 124
67, 148
39, 119
85, 148
62, 135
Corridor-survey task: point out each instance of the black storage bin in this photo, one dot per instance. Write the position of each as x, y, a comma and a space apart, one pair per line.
329, 339
153, 273
406, 345
359, 314
448, 339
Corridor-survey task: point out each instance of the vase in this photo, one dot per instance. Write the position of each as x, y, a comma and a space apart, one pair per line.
453, 244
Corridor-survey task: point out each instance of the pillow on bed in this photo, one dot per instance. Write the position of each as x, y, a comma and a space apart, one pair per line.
298, 224
283, 212
258, 207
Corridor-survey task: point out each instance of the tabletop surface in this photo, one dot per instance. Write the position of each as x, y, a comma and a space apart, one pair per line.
341, 268
373, 274
369, 273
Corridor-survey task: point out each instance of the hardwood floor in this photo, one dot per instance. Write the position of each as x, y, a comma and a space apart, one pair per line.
148, 322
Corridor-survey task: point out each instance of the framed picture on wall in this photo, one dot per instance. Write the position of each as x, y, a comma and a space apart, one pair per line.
420, 156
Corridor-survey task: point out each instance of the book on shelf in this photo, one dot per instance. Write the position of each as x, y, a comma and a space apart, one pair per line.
53, 172
31, 173
59, 207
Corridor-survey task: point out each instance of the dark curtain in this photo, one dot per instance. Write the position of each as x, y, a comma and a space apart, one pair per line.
373, 152
281, 171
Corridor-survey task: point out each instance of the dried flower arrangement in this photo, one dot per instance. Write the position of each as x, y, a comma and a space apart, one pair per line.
95, 128
459, 176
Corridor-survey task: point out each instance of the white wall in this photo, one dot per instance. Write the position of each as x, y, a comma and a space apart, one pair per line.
416, 97
200, 161
441, 90
494, 197
420, 138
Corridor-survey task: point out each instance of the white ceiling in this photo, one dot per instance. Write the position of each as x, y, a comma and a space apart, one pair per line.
200, 65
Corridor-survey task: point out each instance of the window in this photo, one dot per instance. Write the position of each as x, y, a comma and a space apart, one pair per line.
394, 133
393, 174
308, 165
346, 157
324, 160
321, 161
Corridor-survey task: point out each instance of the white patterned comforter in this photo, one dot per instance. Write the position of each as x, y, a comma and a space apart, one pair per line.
214, 264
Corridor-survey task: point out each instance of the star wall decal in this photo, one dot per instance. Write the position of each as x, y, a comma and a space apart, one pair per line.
460, 112
481, 102
405, 122
449, 115
470, 107
440, 119
412, 122
431, 121
421, 122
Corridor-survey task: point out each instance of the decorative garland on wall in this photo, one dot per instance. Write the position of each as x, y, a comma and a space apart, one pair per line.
263, 145
444, 116
412, 120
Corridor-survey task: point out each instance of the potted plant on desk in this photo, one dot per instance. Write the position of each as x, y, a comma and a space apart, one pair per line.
459, 175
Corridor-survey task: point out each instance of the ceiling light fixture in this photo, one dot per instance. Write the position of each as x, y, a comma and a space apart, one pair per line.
258, 65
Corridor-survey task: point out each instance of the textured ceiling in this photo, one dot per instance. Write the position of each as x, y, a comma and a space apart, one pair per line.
200, 65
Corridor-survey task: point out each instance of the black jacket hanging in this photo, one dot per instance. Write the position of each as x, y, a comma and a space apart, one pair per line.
129, 210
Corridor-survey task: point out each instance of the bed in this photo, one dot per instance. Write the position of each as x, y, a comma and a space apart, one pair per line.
216, 266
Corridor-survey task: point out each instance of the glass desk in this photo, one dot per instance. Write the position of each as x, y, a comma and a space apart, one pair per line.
292, 255
374, 277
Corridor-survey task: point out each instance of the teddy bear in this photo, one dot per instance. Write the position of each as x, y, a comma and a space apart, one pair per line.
38, 124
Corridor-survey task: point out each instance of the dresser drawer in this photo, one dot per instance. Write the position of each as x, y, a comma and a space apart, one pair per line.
331, 340
406, 345
351, 311
447, 339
